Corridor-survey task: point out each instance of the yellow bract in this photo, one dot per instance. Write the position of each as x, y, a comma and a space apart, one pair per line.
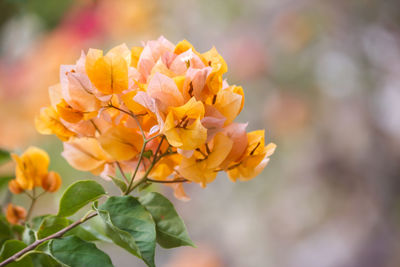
31, 167
109, 73
202, 167
32, 170
255, 158
48, 122
183, 128
121, 143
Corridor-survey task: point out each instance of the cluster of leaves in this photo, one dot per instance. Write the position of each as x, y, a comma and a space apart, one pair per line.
135, 224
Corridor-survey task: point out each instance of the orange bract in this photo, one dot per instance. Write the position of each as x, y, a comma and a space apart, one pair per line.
15, 214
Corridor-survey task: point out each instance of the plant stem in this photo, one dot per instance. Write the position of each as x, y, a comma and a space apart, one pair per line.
132, 186
38, 242
33, 201
122, 172
31, 208
167, 181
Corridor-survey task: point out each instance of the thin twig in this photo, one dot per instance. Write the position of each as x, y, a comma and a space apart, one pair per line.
133, 116
122, 172
168, 181
38, 242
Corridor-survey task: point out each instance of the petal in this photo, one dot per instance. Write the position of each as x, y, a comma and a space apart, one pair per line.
121, 143
222, 147
237, 133
135, 55
193, 136
48, 122
84, 154
192, 109
229, 104
165, 90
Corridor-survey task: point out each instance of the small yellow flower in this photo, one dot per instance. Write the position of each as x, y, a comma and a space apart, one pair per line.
31, 167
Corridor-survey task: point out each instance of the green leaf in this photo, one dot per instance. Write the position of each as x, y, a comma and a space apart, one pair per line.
131, 223
74, 252
78, 195
37, 221
17, 228
171, 230
4, 156
84, 234
118, 182
44, 260
10, 247
121, 238
28, 236
5, 229
51, 225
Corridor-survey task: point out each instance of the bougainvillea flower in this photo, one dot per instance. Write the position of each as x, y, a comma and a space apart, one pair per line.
31, 167
48, 122
201, 167
165, 107
76, 88
213, 59
183, 127
31, 171
229, 104
86, 154
121, 143
255, 158
15, 214
165, 91
109, 73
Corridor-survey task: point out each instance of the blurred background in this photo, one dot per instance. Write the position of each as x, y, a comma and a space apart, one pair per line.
323, 78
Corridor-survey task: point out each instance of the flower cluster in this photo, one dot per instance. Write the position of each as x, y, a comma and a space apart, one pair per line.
31, 171
162, 112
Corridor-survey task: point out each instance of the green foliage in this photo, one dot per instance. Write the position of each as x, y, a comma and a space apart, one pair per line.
51, 225
75, 252
10, 247
118, 182
28, 236
44, 260
4, 156
78, 195
171, 230
131, 226
5, 230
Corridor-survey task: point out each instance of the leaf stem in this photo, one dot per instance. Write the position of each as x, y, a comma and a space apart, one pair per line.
38, 242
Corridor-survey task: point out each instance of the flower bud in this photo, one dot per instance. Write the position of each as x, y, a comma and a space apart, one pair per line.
15, 214
51, 182
14, 187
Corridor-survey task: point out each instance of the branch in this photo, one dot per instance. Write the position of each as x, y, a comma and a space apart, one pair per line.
38, 242
168, 181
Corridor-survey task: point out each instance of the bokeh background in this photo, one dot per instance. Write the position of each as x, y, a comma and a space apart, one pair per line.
323, 77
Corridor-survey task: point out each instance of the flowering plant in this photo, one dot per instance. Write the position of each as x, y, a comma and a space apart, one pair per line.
161, 113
